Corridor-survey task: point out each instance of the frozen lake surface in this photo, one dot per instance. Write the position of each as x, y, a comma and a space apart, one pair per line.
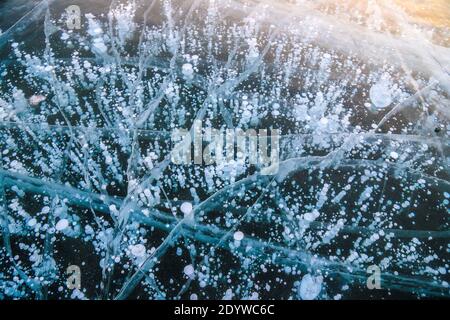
355, 205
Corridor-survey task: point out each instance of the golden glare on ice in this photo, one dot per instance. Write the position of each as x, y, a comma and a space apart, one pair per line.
433, 12
384, 15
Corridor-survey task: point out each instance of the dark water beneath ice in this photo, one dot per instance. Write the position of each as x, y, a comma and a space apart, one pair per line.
87, 179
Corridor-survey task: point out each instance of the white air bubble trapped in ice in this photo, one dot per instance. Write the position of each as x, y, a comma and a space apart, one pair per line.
394, 155
36, 99
238, 235
32, 222
189, 270
186, 207
187, 70
138, 250
381, 94
310, 287
187, 210
62, 224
